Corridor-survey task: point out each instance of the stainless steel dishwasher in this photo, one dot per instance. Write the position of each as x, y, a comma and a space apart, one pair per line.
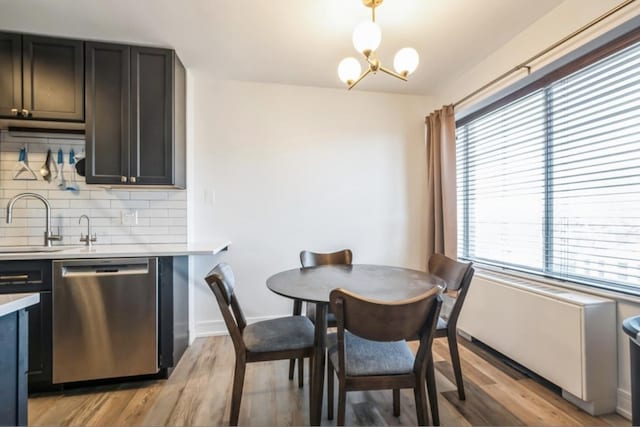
105, 318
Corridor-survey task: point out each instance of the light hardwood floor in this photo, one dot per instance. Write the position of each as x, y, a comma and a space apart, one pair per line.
198, 393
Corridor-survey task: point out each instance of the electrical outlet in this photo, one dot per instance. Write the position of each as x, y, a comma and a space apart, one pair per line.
129, 217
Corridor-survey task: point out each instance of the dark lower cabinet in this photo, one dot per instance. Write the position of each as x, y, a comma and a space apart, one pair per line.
41, 78
173, 322
13, 369
40, 349
33, 277
135, 121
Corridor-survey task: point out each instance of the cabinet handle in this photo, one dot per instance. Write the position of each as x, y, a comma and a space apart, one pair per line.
133, 179
15, 112
123, 179
14, 277
25, 113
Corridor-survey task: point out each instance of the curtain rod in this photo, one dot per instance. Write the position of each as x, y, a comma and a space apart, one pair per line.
526, 65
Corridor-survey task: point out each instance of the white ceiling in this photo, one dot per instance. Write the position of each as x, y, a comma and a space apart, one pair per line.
296, 42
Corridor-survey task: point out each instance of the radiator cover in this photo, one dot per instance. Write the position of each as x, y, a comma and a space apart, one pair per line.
567, 337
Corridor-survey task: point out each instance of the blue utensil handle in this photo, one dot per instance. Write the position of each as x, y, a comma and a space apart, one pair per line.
60, 156
21, 156
72, 157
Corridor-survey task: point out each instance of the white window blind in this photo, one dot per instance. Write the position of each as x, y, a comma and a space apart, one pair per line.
550, 182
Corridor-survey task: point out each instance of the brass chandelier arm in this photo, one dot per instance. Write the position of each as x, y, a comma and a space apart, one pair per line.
393, 73
362, 76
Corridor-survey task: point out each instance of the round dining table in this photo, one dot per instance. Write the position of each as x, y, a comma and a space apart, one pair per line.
314, 285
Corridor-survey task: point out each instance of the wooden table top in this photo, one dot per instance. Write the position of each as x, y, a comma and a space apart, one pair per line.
377, 282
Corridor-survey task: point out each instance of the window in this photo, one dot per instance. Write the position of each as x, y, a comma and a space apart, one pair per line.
549, 178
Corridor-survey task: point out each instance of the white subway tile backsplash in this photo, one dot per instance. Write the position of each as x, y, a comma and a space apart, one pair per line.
109, 194
164, 204
177, 213
161, 214
153, 213
168, 221
129, 204
150, 195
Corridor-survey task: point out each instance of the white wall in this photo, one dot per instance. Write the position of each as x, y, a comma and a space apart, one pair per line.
566, 18
277, 169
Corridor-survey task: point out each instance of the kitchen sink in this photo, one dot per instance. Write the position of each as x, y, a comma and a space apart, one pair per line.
31, 249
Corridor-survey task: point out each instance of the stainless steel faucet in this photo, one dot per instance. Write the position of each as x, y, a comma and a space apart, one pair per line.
89, 238
48, 237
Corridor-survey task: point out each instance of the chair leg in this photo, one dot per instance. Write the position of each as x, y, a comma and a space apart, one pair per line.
342, 403
300, 372
292, 366
455, 361
236, 394
396, 402
421, 403
330, 380
297, 310
433, 392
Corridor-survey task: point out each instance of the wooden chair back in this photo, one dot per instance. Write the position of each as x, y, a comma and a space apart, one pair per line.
458, 277
382, 321
314, 259
222, 282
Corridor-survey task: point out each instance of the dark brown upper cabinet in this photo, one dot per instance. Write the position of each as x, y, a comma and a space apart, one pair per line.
41, 78
135, 128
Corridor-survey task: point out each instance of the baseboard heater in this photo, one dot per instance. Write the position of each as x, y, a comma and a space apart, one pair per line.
566, 337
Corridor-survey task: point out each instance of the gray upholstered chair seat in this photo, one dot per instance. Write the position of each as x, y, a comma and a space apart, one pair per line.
366, 357
285, 333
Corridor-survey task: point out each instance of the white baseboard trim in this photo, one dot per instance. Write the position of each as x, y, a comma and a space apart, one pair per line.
624, 404
212, 328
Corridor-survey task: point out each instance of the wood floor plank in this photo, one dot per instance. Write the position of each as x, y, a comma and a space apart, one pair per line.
521, 404
198, 393
469, 370
136, 410
580, 416
165, 403
479, 408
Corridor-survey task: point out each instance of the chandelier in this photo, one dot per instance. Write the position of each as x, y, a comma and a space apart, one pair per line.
366, 39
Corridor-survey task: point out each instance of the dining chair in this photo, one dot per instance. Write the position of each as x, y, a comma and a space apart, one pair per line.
310, 259
457, 276
275, 339
370, 351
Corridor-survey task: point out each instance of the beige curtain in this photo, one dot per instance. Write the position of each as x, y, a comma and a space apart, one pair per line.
441, 183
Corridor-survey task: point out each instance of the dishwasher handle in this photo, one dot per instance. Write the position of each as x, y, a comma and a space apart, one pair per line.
106, 269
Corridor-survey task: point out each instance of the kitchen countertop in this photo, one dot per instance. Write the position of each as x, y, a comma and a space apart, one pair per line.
103, 251
10, 303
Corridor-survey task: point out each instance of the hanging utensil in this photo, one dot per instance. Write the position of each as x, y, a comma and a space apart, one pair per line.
45, 171
22, 171
72, 185
60, 180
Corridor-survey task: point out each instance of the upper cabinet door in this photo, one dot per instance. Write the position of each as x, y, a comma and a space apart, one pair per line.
10, 74
108, 113
151, 116
53, 78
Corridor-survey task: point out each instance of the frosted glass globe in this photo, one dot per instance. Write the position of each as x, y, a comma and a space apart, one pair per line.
349, 69
367, 37
406, 60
